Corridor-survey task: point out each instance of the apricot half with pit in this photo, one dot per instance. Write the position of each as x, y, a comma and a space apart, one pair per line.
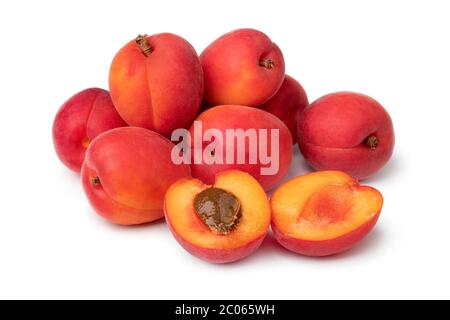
323, 213
219, 223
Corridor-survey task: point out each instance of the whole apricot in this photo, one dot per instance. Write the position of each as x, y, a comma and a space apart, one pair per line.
156, 82
288, 103
126, 173
242, 67
346, 131
79, 120
248, 139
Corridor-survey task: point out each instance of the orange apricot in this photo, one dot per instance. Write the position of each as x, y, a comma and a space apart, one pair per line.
156, 82
323, 213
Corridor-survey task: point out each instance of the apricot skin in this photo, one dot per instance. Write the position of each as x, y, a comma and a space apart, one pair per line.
198, 239
332, 133
232, 117
162, 91
288, 103
218, 256
326, 247
288, 213
233, 74
135, 169
79, 120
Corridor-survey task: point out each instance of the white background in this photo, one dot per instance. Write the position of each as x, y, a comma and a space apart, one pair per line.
52, 245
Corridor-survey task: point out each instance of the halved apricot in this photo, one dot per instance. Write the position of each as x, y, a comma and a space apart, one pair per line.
323, 213
219, 223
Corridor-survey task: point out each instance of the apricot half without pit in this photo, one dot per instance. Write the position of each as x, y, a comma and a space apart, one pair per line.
323, 213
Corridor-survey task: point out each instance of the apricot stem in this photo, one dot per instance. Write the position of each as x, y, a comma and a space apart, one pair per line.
372, 142
219, 210
267, 63
86, 142
95, 181
144, 45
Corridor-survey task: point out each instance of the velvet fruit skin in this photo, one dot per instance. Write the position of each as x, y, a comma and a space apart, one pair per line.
346, 131
126, 174
160, 88
324, 248
196, 238
323, 213
289, 101
243, 67
227, 117
79, 120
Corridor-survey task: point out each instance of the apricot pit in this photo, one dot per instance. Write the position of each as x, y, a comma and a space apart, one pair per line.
219, 210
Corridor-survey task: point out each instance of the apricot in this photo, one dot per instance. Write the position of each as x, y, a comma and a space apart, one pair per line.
243, 67
346, 131
219, 223
289, 101
156, 82
323, 213
126, 174
251, 140
79, 120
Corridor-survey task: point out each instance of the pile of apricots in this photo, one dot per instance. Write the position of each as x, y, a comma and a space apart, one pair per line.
119, 141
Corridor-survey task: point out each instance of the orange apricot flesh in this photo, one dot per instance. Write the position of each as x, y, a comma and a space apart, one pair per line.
323, 213
203, 242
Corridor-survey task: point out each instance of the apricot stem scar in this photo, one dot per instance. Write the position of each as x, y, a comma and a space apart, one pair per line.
144, 45
372, 142
95, 181
267, 63
86, 143
219, 210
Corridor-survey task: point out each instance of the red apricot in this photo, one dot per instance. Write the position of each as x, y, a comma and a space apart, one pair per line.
247, 136
346, 131
79, 120
289, 101
156, 82
126, 174
243, 67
